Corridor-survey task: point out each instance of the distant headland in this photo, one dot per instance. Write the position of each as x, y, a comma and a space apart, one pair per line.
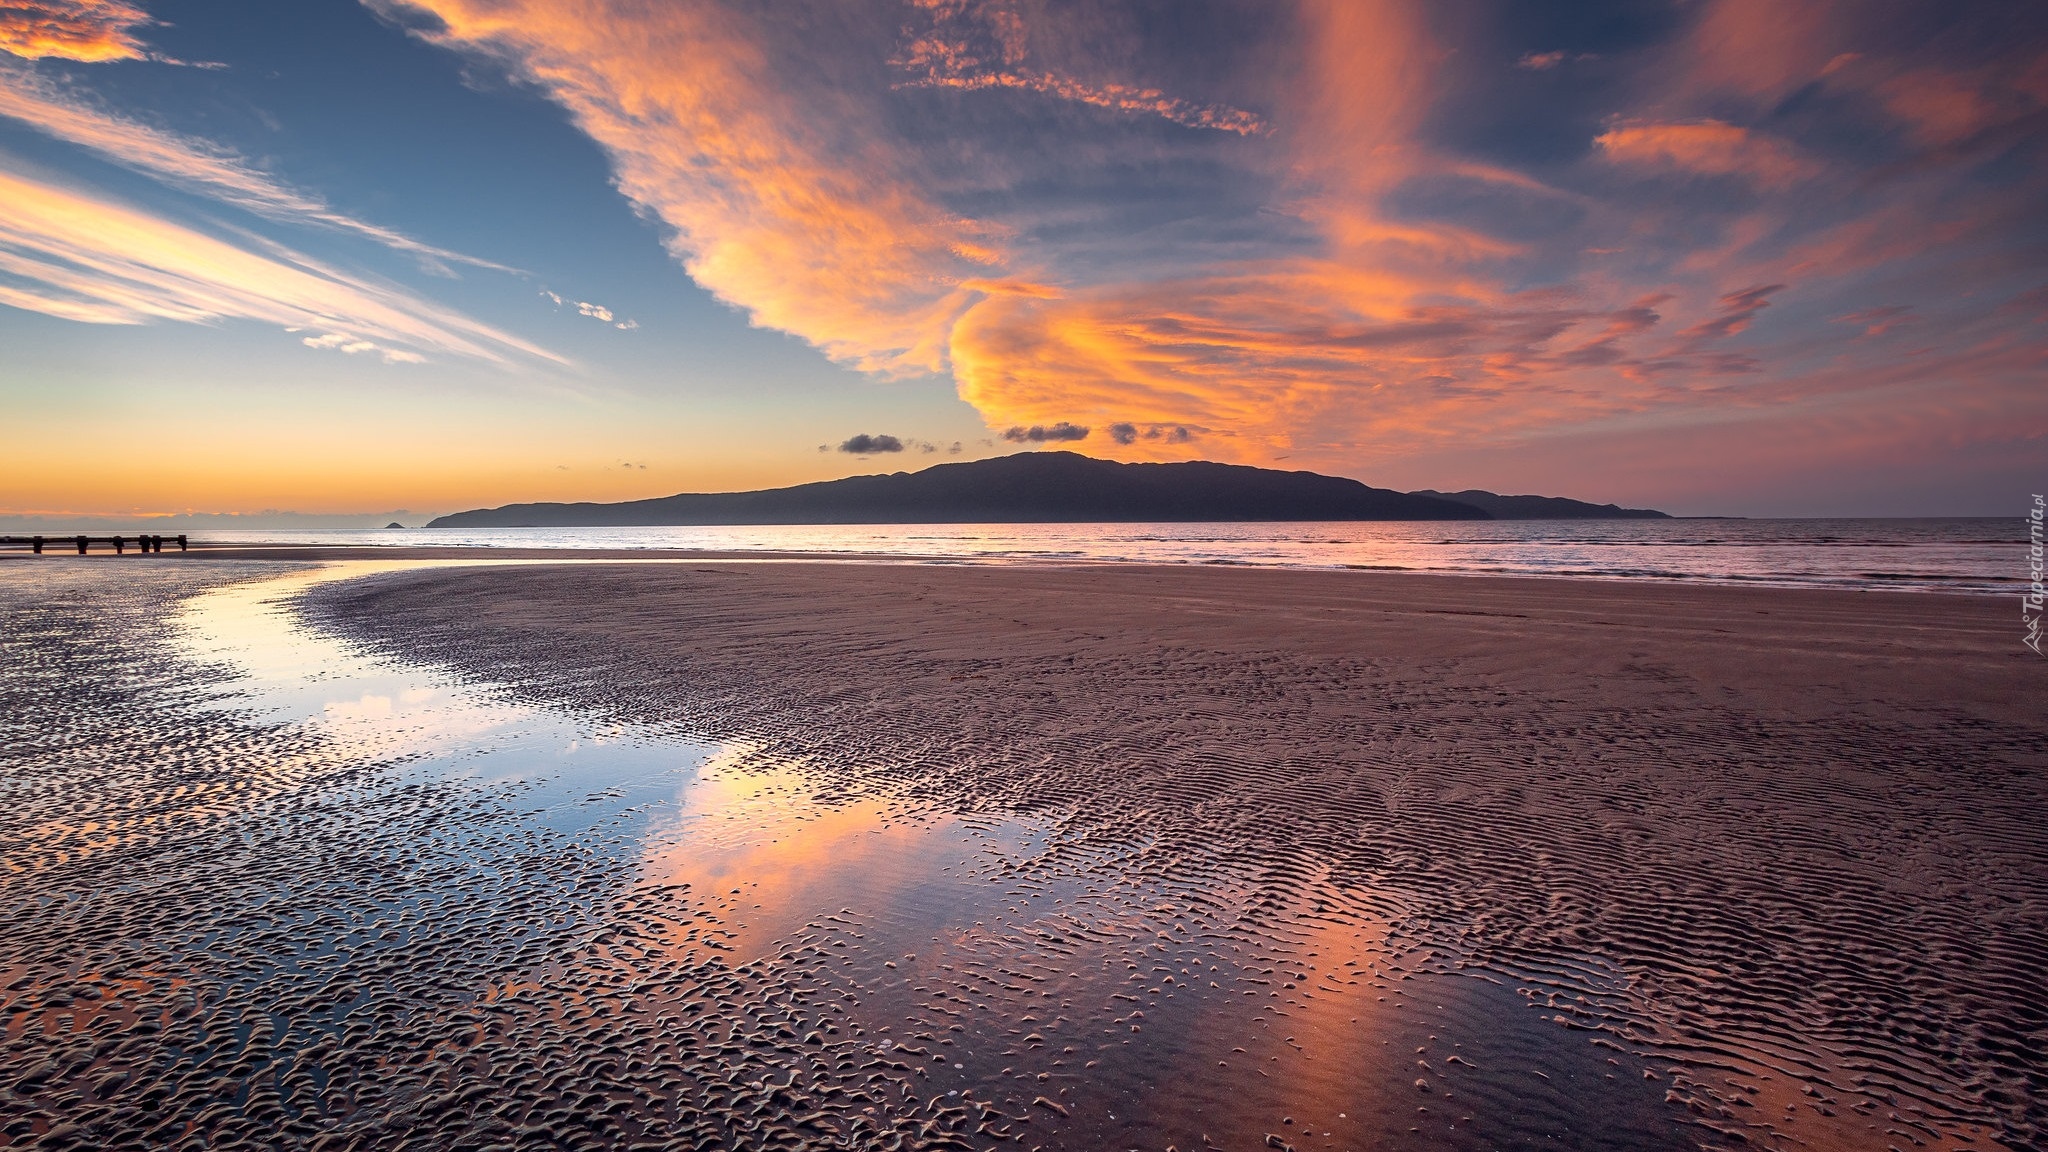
1049, 487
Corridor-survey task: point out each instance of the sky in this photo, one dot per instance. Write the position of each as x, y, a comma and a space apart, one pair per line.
1748, 257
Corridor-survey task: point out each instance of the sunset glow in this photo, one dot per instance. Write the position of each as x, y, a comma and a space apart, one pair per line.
1733, 256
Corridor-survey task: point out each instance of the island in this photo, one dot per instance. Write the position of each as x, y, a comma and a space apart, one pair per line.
1046, 487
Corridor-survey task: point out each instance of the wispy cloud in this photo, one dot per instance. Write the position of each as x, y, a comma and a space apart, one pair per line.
88, 31
190, 164
979, 44
1707, 148
807, 222
353, 345
597, 312
83, 257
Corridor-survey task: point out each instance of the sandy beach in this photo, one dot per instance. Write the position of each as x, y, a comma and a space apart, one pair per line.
1756, 804
1082, 856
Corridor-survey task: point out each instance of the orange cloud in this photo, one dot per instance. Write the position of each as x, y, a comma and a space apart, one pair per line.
1303, 355
1379, 318
804, 215
1394, 332
194, 165
947, 56
1370, 73
1944, 107
1760, 48
1708, 148
801, 215
1116, 97
89, 31
793, 204
1763, 51
68, 254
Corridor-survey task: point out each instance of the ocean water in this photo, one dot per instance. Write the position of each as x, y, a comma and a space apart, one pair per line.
1980, 556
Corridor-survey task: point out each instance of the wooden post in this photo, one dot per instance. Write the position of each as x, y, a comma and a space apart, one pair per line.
38, 542
118, 549
181, 542
81, 545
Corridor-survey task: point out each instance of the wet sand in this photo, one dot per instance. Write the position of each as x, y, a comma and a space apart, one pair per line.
1800, 831
1064, 857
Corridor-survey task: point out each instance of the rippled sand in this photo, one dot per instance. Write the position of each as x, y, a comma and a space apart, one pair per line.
1075, 858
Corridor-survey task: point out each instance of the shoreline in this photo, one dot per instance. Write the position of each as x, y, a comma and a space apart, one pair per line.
303, 553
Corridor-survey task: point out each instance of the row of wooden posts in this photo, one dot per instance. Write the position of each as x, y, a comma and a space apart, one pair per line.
120, 543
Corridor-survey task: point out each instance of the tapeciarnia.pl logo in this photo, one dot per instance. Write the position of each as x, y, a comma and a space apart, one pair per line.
2032, 600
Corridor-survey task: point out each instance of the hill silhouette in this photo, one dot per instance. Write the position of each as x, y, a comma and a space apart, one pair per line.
1030, 487
1542, 507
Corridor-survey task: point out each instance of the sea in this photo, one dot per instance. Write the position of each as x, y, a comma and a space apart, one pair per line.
1956, 555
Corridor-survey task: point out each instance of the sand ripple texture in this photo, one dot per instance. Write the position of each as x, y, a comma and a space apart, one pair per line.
1779, 856
229, 933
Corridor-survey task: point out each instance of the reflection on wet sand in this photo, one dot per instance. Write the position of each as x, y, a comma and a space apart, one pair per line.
372, 906
1674, 817
766, 852
280, 890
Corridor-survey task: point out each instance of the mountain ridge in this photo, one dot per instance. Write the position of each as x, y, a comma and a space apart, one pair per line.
1028, 487
1541, 507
